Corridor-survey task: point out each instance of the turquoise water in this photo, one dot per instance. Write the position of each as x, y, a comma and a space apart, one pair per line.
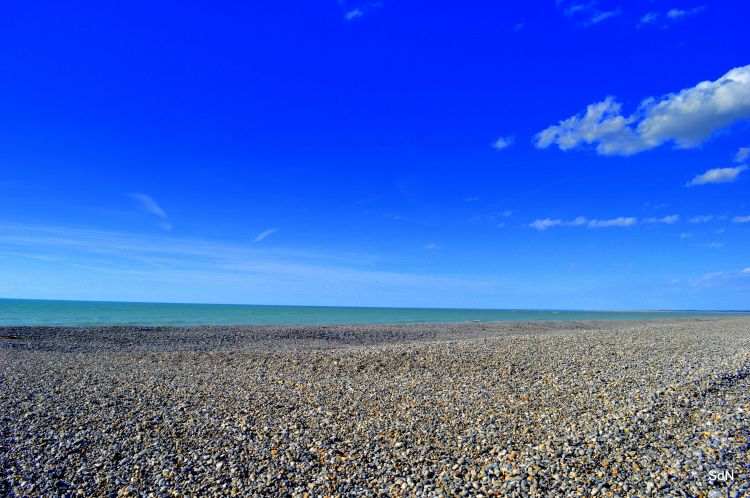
81, 313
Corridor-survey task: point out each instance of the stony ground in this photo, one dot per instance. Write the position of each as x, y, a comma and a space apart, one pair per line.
548, 409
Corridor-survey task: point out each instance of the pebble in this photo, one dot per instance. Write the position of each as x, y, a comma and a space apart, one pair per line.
627, 408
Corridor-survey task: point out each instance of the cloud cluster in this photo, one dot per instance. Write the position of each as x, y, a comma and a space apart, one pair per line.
686, 118
717, 175
621, 221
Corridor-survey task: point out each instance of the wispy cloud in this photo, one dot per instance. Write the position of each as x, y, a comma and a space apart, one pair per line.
600, 16
655, 206
686, 118
678, 14
353, 14
716, 278
573, 8
545, 223
621, 221
742, 154
507, 213
701, 218
503, 143
265, 234
195, 265
667, 220
717, 175
432, 247
671, 16
741, 219
715, 245
648, 18
588, 13
149, 205
358, 11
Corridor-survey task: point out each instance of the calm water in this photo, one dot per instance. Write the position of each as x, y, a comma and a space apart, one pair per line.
79, 313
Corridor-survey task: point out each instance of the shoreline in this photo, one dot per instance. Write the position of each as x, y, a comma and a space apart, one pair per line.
626, 408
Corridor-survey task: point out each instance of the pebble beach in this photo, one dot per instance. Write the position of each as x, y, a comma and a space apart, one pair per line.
591, 408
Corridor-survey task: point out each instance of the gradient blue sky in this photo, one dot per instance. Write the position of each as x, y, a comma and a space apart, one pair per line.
482, 154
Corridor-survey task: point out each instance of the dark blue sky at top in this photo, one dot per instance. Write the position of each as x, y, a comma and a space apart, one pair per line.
144, 147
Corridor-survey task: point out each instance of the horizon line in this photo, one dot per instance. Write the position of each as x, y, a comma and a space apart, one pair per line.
447, 308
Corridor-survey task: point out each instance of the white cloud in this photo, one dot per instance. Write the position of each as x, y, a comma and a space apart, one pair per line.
615, 222
715, 245
353, 14
717, 175
600, 16
648, 18
502, 214
741, 219
701, 219
577, 8
686, 118
721, 277
622, 221
360, 10
588, 9
671, 16
686, 235
149, 205
677, 14
658, 206
581, 220
666, 219
544, 224
503, 143
742, 154
432, 247
265, 234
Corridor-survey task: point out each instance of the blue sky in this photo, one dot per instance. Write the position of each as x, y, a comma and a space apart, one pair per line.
545, 155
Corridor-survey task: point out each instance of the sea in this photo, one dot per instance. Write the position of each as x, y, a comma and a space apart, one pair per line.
31, 312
